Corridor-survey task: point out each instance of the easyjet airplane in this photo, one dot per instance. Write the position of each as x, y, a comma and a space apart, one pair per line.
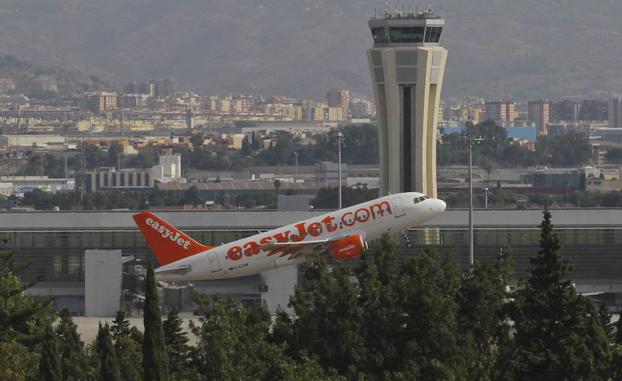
343, 234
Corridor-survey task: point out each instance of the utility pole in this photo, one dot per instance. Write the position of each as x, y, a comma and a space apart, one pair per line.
339, 137
470, 140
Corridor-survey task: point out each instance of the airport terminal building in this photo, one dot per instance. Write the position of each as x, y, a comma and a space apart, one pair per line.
62, 247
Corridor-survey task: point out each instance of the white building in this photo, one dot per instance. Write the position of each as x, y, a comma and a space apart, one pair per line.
407, 67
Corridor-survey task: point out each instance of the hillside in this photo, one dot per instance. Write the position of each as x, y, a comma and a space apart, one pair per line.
303, 47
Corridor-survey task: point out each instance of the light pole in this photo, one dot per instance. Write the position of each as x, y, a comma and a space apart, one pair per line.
470, 141
339, 137
295, 166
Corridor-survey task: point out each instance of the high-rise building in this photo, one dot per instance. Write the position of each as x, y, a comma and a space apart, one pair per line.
100, 102
566, 110
594, 110
500, 111
339, 98
615, 112
407, 67
539, 113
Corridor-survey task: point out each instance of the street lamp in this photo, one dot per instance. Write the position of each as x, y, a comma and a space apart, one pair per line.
470, 141
339, 137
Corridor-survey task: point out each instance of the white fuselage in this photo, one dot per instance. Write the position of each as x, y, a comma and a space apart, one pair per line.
247, 256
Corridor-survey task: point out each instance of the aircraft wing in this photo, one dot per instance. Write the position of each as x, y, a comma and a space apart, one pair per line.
295, 249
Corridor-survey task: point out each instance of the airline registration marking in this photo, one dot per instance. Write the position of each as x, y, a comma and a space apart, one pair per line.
313, 229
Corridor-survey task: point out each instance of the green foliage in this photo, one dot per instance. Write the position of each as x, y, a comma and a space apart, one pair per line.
559, 334
567, 149
50, 368
128, 349
108, 362
73, 356
120, 326
23, 318
17, 361
176, 344
129, 354
482, 316
155, 360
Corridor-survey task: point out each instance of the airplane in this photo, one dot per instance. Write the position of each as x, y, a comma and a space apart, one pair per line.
342, 233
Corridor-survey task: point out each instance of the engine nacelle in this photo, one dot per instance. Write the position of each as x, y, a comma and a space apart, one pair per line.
348, 248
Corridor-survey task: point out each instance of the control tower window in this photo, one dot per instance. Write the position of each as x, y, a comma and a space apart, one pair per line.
380, 35
433, 34
407, 34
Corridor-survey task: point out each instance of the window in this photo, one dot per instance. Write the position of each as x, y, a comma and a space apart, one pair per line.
57, 264
433, 34
379, 35
407, 34
74, 264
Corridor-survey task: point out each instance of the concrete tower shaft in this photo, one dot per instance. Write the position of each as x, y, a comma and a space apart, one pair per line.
407, 67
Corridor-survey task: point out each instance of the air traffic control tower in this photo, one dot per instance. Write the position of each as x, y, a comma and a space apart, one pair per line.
407, 67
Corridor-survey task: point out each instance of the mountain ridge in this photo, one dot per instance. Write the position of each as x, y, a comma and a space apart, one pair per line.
497, 48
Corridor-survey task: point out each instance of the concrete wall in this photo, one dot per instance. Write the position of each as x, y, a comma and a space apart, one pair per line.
102, 283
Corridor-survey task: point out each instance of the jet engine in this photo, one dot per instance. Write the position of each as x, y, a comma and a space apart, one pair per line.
348, 248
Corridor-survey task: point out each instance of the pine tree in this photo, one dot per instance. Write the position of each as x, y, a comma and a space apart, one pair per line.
329, 320
428, 340
559, 333
382, 313
50, 364
120, 326
155, 360
176, 343
108, 363
23, 318
73, 356
482, 317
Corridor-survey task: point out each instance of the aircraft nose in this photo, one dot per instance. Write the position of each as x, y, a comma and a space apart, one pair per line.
439, 205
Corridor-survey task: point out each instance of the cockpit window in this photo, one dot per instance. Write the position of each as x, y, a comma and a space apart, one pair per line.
419, 199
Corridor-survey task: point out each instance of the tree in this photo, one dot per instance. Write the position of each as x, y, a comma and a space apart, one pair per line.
17, 362
155, 360
329, 321
23, 318
197, 140
176, 343
382, 314
192, 196
428, 341
50, 364
108, 363
559, 333
127, 348
120, 326
482, 313
73, 359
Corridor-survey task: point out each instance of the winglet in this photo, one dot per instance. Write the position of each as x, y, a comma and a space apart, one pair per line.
167, 243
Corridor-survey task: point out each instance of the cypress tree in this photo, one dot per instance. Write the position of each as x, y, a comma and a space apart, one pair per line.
176, 342
155, 360
108, 363
73, 357
50, 364
559, 333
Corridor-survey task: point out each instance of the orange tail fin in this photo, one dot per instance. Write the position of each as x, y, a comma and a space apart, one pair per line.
167, 243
